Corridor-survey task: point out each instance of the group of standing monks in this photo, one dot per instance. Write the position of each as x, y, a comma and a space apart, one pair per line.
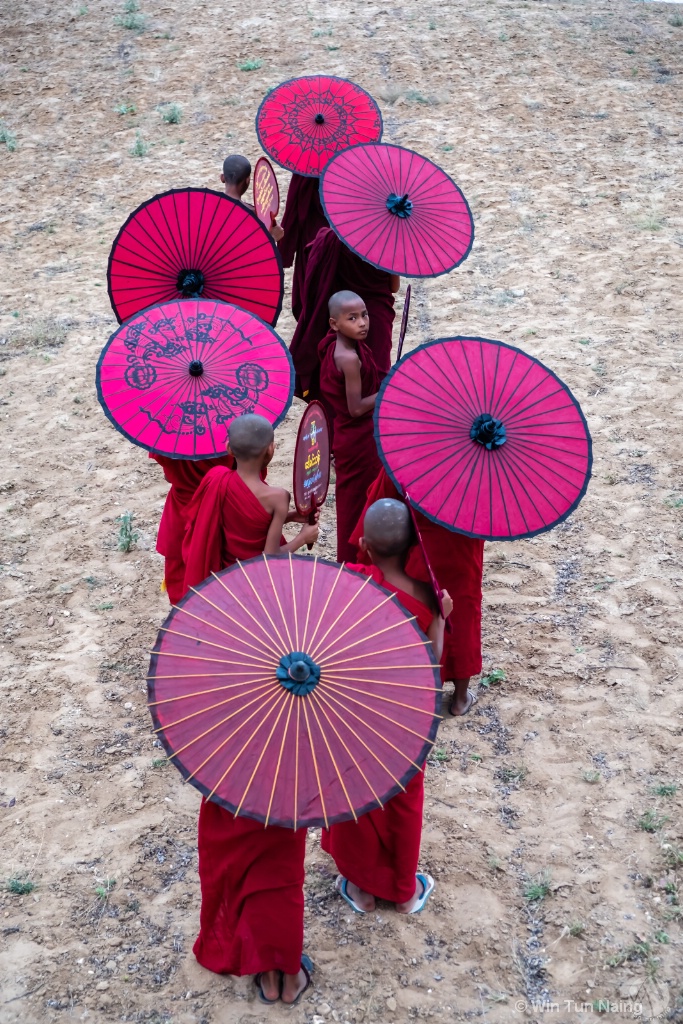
222, 510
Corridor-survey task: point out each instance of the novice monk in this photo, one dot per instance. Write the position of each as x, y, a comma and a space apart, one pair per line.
184, 477
235, 514
458, 564
252, 913
301, 221
349, 382
377, 855
332, 267
236, 177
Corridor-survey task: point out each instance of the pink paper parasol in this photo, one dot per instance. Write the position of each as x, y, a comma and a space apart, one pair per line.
397, 210
302, 123
486, 440
195, 243
174, 377
294, 691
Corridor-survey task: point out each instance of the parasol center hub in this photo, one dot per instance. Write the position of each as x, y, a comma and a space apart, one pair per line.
298, 673
190, 283
319, 119
196, 368
400, 206
488, 431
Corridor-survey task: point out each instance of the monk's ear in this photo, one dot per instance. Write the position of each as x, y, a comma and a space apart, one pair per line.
230, 452
333, 324
363, 544
223, 178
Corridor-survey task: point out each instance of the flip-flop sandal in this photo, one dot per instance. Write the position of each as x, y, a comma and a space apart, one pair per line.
259, 987
427, 890
307, 967
342, 886
473, 700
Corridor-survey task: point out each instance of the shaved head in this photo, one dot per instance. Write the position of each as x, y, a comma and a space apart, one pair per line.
341, 301
236, 169
249, 436
388, 528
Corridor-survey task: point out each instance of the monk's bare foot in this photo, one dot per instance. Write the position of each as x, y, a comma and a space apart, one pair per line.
463, 699
424, 886
365, 900
270, 984
405, 908
293, 985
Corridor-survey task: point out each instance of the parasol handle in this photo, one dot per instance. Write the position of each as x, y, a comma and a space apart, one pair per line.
311, 518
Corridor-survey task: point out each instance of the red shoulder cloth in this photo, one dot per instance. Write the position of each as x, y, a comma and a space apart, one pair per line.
225, 522
422, 613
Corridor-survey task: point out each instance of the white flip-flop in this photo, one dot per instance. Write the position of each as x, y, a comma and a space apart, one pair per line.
427, 890
341, 885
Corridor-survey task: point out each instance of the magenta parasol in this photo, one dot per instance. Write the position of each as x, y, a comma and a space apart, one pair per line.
302, 123
294, 691
195, 243
397, 210
172, 378
486, 440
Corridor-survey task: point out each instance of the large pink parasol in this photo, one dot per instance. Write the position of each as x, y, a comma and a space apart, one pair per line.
294, 691
302, 123
174, 377
397, 210
195, 243
486, 440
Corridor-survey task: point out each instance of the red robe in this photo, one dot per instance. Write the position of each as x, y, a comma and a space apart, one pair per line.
379, 852
252, 915
332, 267
356, 460
184, 478
225, 522
302, 220
458, 564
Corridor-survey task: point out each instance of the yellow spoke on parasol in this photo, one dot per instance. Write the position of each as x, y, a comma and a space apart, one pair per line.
277, 598
224, 632
265, 610
354, 597
292, 698
269, 649
202, 693
315, 764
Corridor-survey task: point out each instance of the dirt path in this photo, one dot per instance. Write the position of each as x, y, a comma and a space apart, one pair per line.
561, 121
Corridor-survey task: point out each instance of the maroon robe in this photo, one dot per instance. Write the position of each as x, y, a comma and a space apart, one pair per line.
332, 267
356, 461
380, 851
301, 221
458, 564
184, 477
225, 522
252, 915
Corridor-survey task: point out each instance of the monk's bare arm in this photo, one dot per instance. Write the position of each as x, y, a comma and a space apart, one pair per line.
280, 505
306, 535
395, 283
349, 364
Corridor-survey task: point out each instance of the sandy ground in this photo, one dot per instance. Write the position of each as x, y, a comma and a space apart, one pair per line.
562, 123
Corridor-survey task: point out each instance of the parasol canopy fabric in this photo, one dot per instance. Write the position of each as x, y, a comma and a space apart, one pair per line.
397, 210
195, 243
172, 378
486, 440
302, 123
294, 691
